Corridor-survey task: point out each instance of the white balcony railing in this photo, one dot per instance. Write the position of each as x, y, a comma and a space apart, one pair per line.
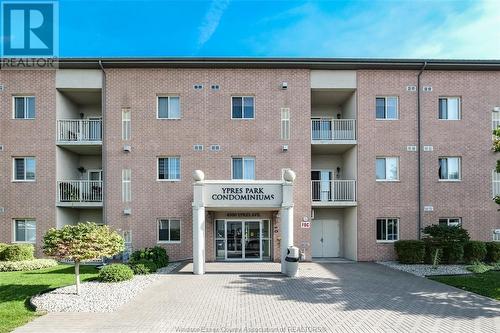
495, 181
79, 191
79, 130
333, 129
333, 190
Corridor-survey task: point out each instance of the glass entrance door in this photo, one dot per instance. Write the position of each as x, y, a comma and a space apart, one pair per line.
252, 239
234, 236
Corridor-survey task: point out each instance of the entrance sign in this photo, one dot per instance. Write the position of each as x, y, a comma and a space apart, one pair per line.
242, 195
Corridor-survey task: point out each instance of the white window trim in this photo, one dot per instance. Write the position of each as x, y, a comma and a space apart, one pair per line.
387, 180
243, 164
158, 230
385, 110
130, 236
158, 169
129, 121
14, 180
129, 182
158, 106
459, 107
14, 106
459, 170
283, 121
242, 111
14, 230
386, 241
448, 220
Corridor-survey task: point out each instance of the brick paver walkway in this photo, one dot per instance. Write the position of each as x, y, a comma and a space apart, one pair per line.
361, 297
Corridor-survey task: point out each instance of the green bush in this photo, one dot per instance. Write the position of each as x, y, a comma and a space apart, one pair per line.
410, 251
453, 253
115, 273
474, 251
18, 252
26, 265
142, 267
479, 268
3, 246
493, 252
430, 250
156, 254
450, 238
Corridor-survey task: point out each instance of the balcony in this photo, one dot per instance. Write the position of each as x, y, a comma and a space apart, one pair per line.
81, 136
79, 193
330, 135
333, 193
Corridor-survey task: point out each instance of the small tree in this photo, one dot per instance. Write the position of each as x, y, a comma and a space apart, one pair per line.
82, 242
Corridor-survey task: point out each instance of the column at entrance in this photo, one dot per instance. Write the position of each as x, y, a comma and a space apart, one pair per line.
198, 225
286, 213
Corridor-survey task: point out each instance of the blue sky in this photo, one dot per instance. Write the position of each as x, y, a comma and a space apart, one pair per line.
388, 29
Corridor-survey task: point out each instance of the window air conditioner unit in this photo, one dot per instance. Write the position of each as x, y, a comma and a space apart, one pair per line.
127, 211
127, 148
496, 109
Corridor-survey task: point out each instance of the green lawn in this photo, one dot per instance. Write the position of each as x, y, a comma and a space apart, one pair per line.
17, 287
486, 284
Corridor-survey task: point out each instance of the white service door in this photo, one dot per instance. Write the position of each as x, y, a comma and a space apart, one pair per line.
325, 238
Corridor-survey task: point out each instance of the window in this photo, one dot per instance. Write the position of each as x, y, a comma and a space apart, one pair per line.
451, 221
126, 185
169, 168
386, 108
387, 229
126, 125
168, 107
127, 237
24, 107
24, 231
449, 108
449, 168
243, 168
387, 168
496, 235
285, 124
24, 168
169, 230
242, 107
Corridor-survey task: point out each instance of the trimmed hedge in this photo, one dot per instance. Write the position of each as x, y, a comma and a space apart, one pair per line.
115, 273
453, 253
26, 265
474, 251
3, 246
410, 251
156, 254
142, 267
493, 252
430, 248
18, 252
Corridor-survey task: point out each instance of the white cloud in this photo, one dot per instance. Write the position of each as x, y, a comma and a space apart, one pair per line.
211, 20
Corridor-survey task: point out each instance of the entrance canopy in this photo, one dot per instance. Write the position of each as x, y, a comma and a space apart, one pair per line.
236, 195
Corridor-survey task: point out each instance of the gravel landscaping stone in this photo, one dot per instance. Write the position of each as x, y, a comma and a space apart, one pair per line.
427, 270
97, 296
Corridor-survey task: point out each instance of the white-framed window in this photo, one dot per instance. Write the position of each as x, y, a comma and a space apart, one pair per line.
169, 168
127, 237
24, 169
386, 108
168, 107
285, 124
23, 107
126, 185
449, 108
387, 229
242, 107
449, 168
496, 236
451, 221
126, 124
243, 168
169, 230
24, 231
387, 168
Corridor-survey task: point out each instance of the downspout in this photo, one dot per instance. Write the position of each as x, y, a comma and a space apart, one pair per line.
103, 133
419, 153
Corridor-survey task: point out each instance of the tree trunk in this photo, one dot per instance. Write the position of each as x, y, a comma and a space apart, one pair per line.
77, 275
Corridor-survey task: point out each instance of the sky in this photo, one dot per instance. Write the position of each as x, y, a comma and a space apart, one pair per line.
287, 28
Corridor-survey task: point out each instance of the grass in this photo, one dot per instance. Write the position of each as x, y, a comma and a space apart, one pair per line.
17, 287
486, 284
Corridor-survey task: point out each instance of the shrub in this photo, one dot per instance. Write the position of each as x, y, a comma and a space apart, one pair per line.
474, 251
26, 265
18, 252
410, 251
142, 267
453, 253
3, 246
479, 268
498, 166
156, 254
115, 273
493, 252
446, 233
430, 251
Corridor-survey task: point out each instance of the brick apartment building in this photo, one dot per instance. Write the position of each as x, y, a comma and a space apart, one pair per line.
380, 148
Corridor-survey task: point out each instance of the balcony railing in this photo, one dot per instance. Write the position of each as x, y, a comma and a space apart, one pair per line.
495, 181
79, 130
328, 129
333, 190
79, 191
